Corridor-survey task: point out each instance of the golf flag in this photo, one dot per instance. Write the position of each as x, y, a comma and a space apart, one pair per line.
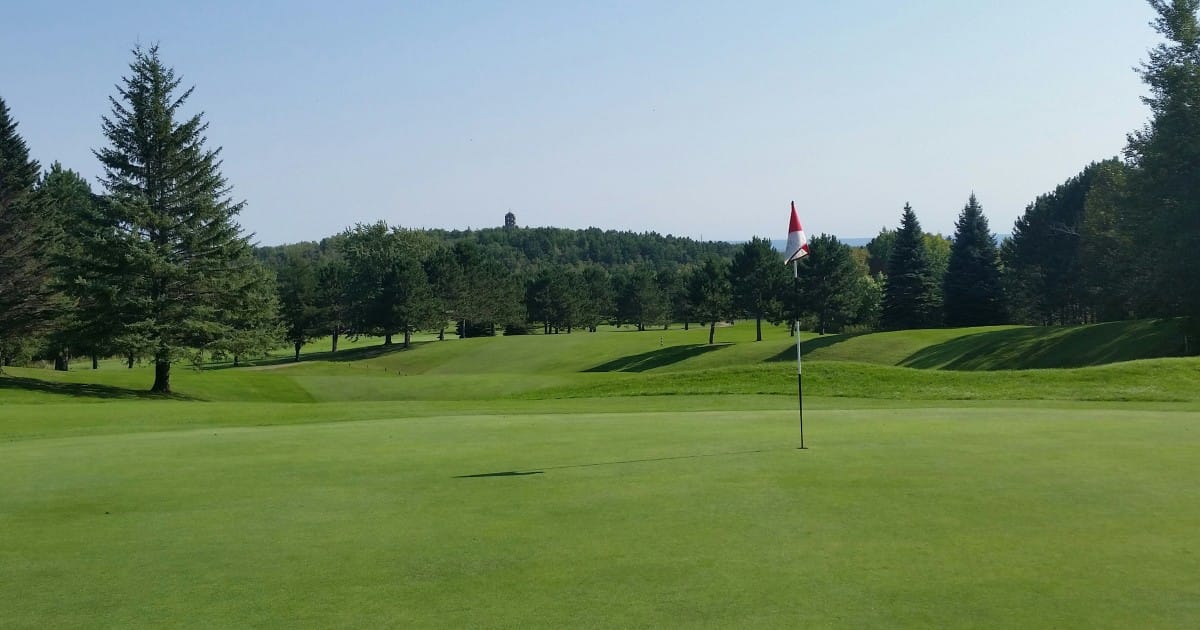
797, 244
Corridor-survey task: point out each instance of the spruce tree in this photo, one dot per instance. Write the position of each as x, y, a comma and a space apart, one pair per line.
1166, 155
65, 199
972, 294
166, 262
910, 292
24, 273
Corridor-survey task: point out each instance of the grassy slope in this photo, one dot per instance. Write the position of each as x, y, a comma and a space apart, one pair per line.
624, 362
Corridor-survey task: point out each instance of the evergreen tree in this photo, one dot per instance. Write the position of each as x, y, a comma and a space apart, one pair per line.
299, 301
491, 293
250, 316
446, 282
1166, 155
167, 258
711, 294
24, 272
596, 304
828, 284
331, 299
879, 251
639, 298
758, 277
972, 292
909, 299
65, 199
389, 291
1108, 251
1041, 272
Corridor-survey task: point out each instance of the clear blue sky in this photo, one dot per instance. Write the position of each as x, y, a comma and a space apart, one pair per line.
691, 118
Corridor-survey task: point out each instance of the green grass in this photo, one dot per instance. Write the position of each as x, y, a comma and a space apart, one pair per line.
616, 479
993, 516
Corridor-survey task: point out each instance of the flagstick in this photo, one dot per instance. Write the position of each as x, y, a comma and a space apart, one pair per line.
799, 378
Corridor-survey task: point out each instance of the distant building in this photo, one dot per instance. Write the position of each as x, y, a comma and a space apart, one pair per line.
510, 220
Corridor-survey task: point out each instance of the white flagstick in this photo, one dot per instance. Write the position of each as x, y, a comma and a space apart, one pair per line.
799, 378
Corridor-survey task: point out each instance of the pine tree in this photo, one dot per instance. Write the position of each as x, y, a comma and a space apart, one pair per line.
910, 293
759, 277
299, 305
711, 294
166, 260
827, 284
972, 293
1108, 250
1166, 155
24, 272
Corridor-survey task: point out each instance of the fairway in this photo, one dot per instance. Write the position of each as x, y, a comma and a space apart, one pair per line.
550, 515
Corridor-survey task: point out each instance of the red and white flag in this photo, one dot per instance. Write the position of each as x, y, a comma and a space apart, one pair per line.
797, 244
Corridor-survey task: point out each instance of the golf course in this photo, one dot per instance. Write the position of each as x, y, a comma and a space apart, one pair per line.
1002, 476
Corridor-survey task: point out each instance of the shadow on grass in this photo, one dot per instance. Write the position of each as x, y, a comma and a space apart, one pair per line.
81, 390
540, 471
1053, 347
812, 345
1035, 347
655, 358
507, 473
341, 356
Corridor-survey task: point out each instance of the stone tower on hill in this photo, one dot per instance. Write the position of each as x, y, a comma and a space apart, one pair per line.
510, 220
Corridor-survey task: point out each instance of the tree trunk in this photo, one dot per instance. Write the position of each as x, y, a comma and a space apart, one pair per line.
758, 327
442, 334
62, 362
335, 340
162, 377
129, 361
685, 324
95, 363
387, 339
237, 360
712, 331
297, 344
407, 337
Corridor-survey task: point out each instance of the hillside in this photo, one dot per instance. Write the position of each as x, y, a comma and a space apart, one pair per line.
1006, 363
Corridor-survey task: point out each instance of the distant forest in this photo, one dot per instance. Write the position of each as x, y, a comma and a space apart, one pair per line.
155, 267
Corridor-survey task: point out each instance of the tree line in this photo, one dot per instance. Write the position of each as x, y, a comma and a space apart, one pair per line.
155, 267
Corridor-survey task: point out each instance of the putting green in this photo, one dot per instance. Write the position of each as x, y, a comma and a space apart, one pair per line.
627, 512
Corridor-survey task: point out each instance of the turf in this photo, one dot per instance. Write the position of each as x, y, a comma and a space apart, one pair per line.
614, 479
994, 516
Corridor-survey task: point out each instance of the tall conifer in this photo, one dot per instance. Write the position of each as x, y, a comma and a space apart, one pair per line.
972, 294
24, 273
910, 293
166, 257
1166, 156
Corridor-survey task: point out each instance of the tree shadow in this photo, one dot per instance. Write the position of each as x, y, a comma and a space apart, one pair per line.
1052, 347
341, 356
812, 345
81, 390
655, 358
